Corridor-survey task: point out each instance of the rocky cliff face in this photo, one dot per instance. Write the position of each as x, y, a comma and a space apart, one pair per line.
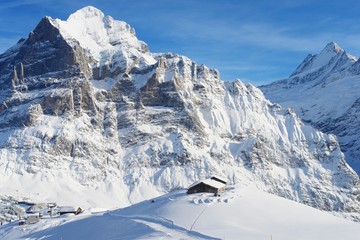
113, 124
323, 91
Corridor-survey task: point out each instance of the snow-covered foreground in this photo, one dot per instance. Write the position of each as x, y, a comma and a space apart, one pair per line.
240, 213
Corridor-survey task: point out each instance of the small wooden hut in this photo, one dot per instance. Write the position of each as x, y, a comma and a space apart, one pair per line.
67, 209
207, 185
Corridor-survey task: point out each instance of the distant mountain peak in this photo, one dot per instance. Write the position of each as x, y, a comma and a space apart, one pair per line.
324, 91
332, 47
331, 50
332, 55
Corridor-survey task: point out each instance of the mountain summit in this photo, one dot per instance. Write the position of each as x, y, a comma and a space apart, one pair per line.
323, 90
88, 111
332, 47
100, 34
332, 57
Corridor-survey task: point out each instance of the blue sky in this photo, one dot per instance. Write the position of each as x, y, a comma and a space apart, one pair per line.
258, 41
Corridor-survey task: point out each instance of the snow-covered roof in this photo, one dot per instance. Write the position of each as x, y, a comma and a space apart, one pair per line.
37, 208
214, 183
209, 182
67, 209
220, 178
195, 183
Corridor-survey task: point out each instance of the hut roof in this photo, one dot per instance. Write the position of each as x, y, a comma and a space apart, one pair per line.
37, 208
209, 182
67, 209
214, 183
220, 179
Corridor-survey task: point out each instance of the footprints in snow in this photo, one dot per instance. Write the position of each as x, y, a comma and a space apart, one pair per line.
208, 200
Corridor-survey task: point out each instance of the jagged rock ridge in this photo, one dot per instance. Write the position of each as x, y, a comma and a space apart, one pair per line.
323, 91
118, 122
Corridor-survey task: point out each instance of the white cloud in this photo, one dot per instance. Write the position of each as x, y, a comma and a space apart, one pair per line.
18, 3
256, 34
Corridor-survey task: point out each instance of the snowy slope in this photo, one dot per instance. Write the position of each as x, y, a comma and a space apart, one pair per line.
324, 91
240, 213
90, 117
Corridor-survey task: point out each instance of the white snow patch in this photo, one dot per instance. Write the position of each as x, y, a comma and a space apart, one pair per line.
104, 84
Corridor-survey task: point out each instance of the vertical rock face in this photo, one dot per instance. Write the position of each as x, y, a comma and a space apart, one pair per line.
44, 54
111, 117
323, 91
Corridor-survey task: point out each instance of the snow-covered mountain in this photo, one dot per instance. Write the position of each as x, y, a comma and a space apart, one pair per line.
324, 91
89, 116
240, 213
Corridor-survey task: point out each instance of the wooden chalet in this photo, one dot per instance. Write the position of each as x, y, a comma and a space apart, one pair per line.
67, 209
32, 219
214, 185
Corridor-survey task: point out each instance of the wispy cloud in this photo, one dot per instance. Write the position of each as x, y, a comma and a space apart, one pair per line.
5, 5
246, 33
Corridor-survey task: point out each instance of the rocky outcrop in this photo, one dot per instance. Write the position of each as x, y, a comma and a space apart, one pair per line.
44, 54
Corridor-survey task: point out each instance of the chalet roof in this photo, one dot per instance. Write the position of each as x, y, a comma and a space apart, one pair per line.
68, 209
214, 183
209, 182
214, 177
37, 208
